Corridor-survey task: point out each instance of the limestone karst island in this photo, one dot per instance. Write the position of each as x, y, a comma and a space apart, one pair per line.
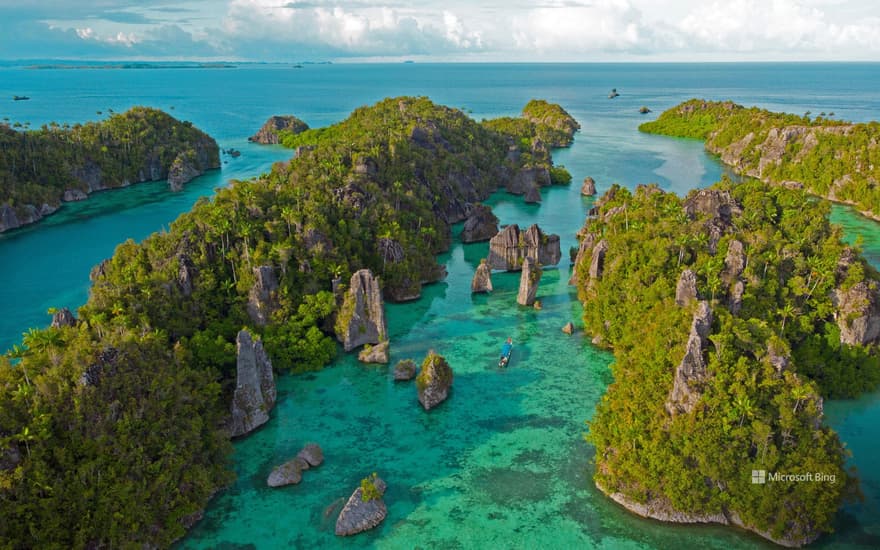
318, 275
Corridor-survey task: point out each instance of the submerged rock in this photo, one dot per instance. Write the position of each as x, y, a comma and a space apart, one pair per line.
374, 354
480, 225
691, 372
268, 134
359, 515
434, 381
254, 393
482, 281
361, 319
63, 318
405, 370
510, 247
528, 283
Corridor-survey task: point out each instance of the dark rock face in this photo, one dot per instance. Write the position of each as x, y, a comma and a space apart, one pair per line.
719, 207
254, 394
375, 354
434, 381
858, 313
8, 218
361, 319
597, 260
63, 318
73, 195
528, 283
588, 189
686, 290
482, 281
390, 250
183, 170
268, 134
404, 370
510, 247
10, 458
99, 270
263, 296
691, 372
533, 195
358, 516
481, 225
528, 178
185, 274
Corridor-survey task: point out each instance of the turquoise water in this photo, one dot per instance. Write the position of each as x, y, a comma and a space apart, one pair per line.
502, 463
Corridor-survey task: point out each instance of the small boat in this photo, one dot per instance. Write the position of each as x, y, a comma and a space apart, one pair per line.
20, 98
613, 93
506, 350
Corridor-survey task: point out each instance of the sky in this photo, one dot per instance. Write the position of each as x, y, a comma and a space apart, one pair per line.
454, 30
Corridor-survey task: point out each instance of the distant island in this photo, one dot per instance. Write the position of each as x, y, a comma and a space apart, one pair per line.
837, 160
134, 399
733, 313
42, 168
118, 66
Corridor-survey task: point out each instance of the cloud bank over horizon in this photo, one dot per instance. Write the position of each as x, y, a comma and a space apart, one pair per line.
456, 30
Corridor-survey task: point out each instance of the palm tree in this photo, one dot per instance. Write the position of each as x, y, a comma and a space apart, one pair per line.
787, 312
744, 406
799, 393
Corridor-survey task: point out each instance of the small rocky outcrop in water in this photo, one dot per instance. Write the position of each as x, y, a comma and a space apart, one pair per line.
63, 318
686, 290
290, 473
482, 281
588, 189
691, 372
361, 319
183, 170
404, 370
364, 509
374, 354
510, 247
568, 328
480, 225
268, 134
263, 296
528, 283
434, 381
533, 195
254, 393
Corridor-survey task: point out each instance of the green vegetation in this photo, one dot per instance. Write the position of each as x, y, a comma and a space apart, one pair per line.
37, 166
434, 365
554, 126
369, 491
830, 158
112, 432
753, 411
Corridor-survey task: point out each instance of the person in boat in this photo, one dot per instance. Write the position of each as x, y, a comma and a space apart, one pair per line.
506, 349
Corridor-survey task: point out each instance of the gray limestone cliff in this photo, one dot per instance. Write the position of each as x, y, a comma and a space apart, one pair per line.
510, 247
480, 225
686, 289
691, 372
434, 381
254, 394
588, 188
528, 283
263, 296
361, 319
482, 281
359, 515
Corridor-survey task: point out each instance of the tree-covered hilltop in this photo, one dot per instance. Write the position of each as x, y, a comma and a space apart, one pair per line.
112, 430
41, 168
829, 158
731, 313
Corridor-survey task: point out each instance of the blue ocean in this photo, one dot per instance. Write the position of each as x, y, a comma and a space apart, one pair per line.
503, 464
